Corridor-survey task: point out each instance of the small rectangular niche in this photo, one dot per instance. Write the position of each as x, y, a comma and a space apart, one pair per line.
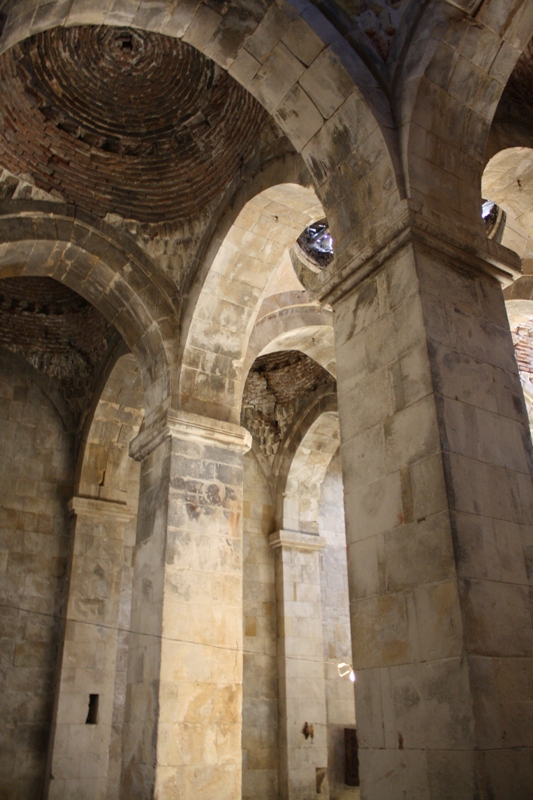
92, 714
351, 752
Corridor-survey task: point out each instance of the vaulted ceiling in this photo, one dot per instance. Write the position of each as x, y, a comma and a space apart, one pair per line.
125, 121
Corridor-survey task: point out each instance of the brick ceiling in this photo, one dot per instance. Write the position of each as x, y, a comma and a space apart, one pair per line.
276, 386
56, 331
124, 121
289, 375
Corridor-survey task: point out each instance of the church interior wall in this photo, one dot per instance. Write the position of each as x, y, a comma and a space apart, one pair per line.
231, 463
84, 757
37, 472
340, 699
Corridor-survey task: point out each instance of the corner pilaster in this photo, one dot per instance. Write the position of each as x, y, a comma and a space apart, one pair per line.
302, 696
82, 727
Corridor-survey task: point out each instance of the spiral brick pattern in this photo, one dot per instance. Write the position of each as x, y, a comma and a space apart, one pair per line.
124, 121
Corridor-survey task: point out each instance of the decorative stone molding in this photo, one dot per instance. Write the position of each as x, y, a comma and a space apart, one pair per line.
296, 540
96, 507
482, 256
189, 427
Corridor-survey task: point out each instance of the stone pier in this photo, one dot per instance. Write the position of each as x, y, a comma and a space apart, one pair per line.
184, 705
436, 456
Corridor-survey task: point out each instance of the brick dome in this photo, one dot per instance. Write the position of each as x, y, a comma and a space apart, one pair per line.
124, 121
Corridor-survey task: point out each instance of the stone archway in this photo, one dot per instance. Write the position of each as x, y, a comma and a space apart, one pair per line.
414, 312
117, 285
463, 77
227, 307
302, 462
306, 475
294, 327
311, 580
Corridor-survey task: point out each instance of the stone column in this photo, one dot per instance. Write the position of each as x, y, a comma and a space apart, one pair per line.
184, 705
302, 685
436, 457
80, 742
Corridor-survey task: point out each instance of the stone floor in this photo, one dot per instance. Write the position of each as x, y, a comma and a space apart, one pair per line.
352, 793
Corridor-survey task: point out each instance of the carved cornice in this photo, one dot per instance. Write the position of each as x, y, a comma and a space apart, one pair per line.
189, 427
95, 507
296, 540
462, 247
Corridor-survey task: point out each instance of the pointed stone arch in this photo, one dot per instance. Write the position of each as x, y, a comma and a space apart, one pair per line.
118, 284
303, 459
308, 328
296, 64
466, 52
105, 469
212, 370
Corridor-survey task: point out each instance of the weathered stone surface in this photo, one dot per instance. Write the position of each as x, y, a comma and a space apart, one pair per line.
446, 470
188, 616
36, 475
386, 107
101, 532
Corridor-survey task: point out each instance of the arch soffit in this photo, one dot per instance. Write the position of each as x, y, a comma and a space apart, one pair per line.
288, 169
298, 488
105, 469
211, 370
120, 349
447, 103
295, 63
110, 279
307, 328
323, 401
508, 181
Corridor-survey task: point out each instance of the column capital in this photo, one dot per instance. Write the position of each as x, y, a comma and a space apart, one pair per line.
460, 246
296, 540
189, 427
97, 507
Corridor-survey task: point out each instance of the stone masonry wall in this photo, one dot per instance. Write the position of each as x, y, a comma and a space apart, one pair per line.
340, 701
36, 471
260, 680
121, 671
